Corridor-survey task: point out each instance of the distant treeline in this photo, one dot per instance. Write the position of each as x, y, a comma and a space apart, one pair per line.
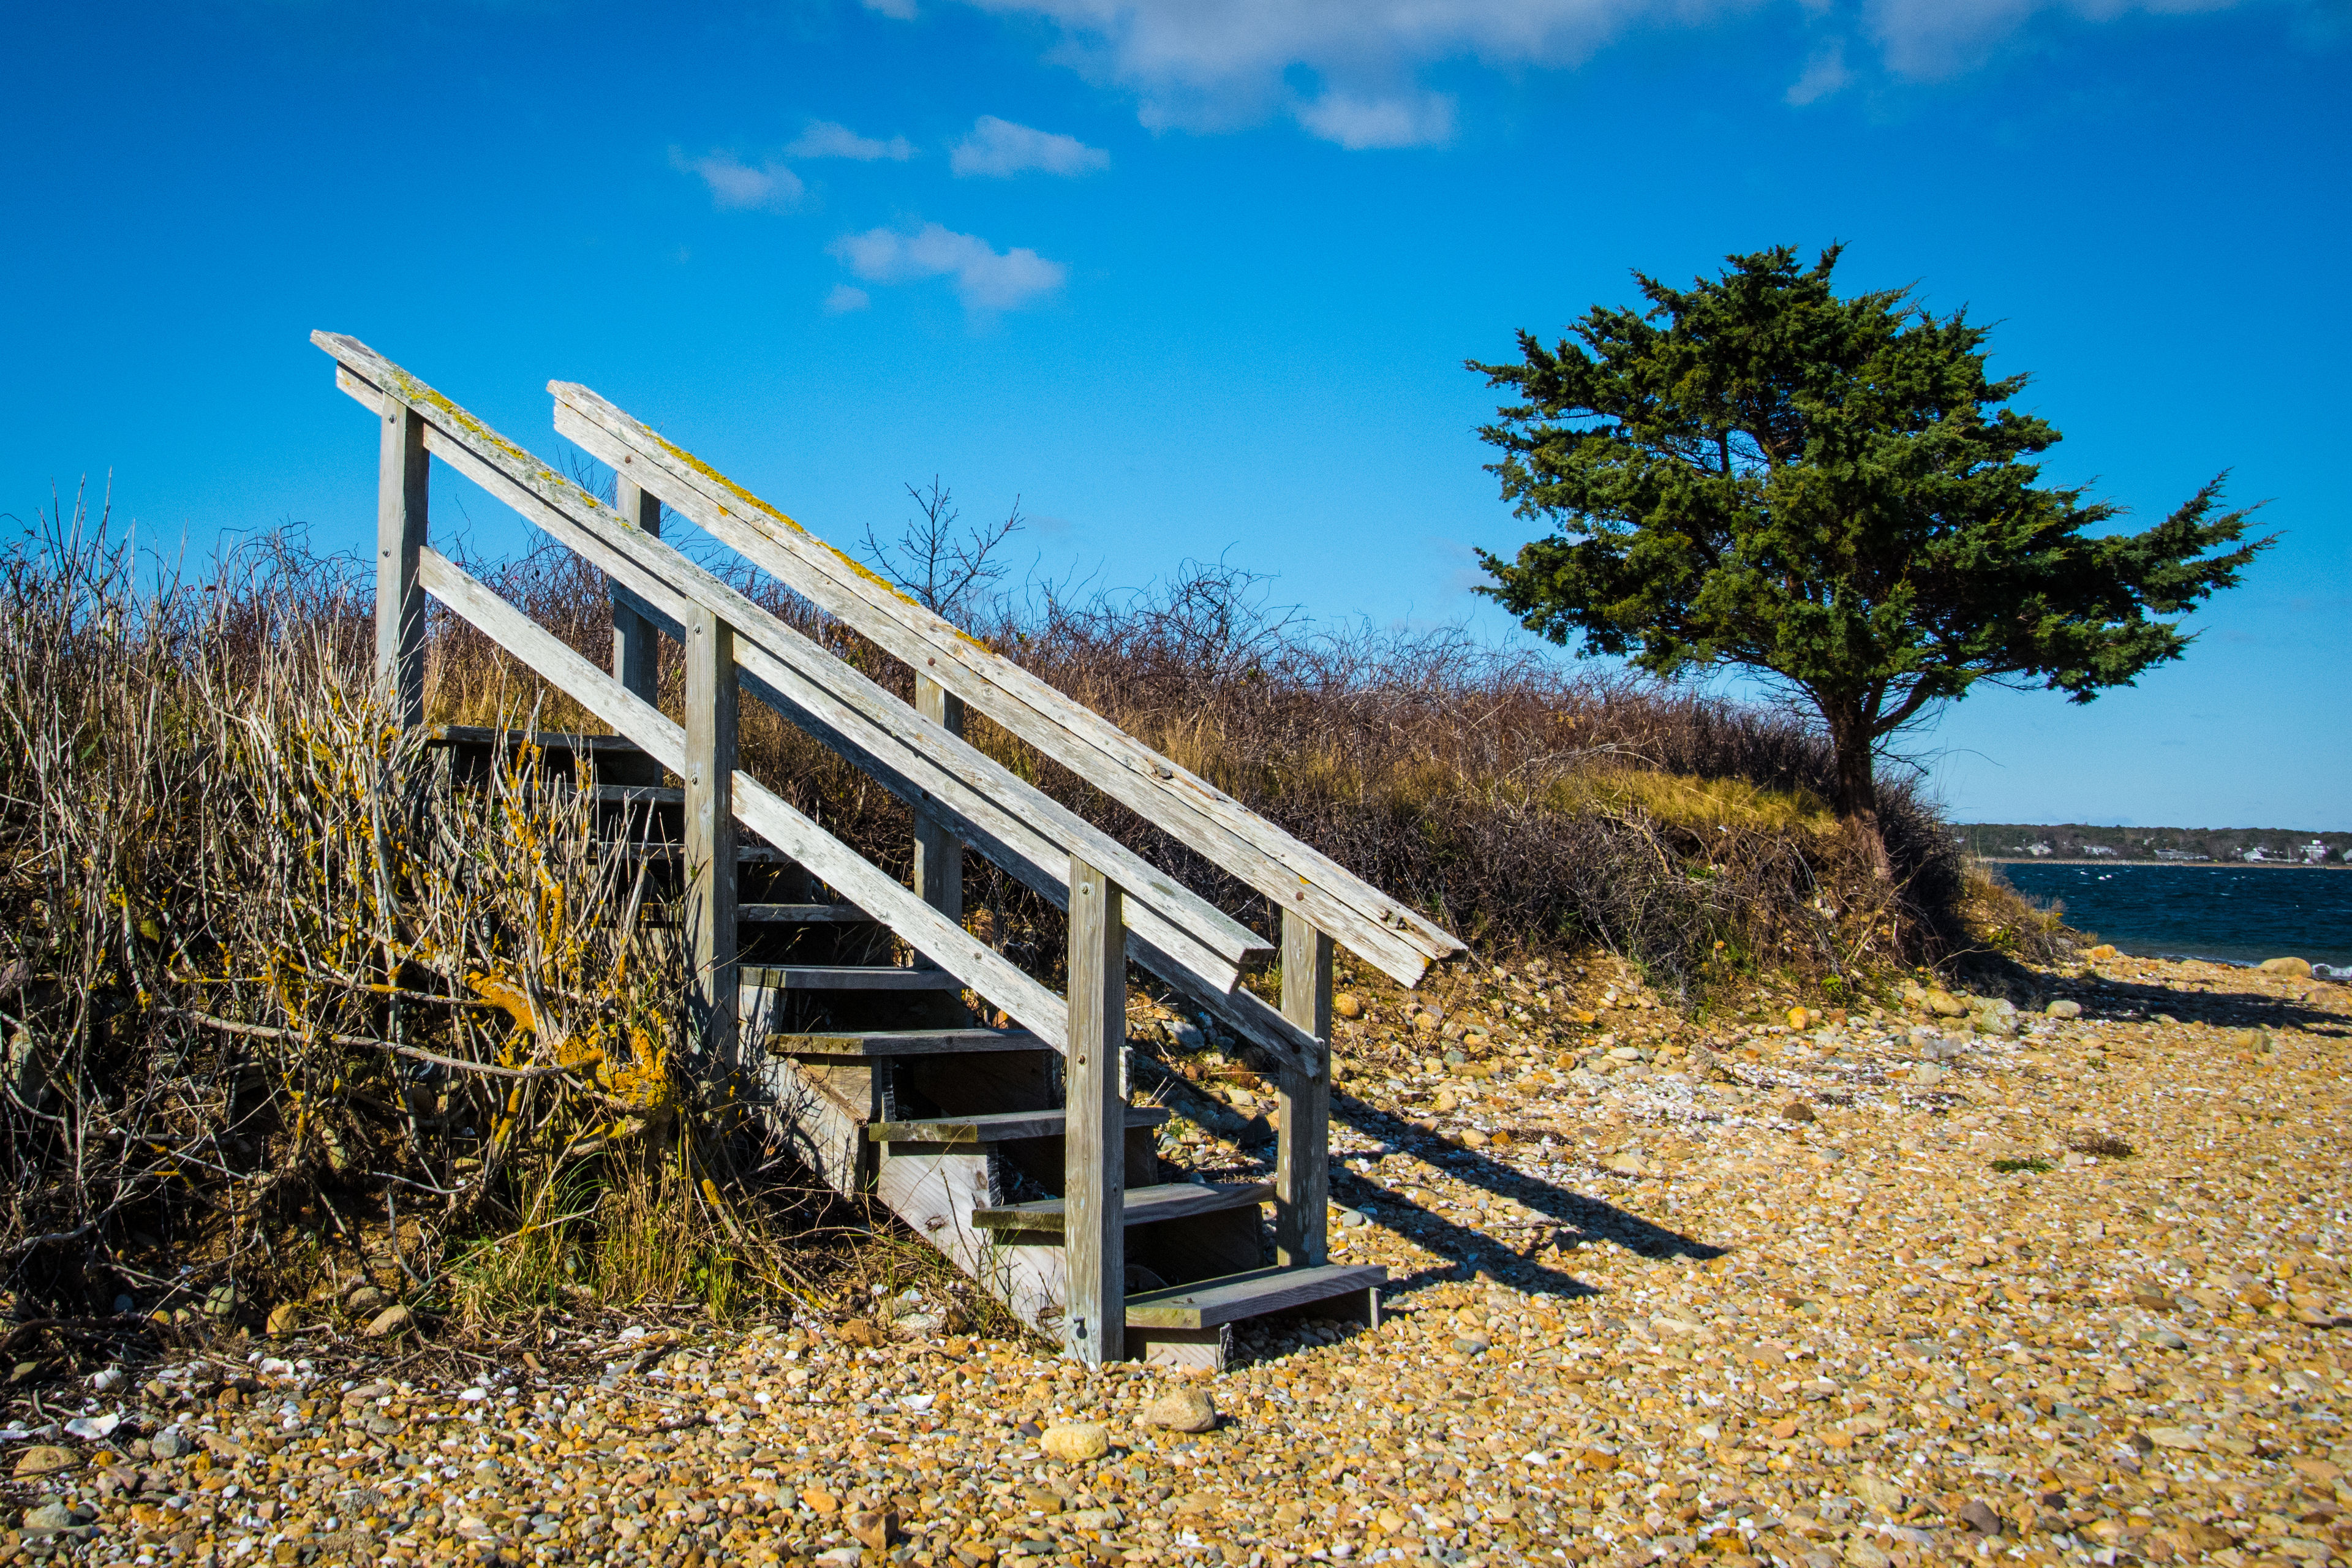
2077, 841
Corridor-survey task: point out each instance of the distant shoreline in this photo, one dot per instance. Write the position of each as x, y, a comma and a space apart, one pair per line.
2158, 865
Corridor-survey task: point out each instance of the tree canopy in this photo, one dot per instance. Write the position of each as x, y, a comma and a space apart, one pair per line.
1755, 471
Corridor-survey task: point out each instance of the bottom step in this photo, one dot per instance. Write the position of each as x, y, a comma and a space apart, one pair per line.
1192, 1325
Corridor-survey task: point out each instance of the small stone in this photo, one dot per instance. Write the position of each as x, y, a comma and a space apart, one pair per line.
841, 1557
1347, 1004
2101, 952
820, 1502
45, 1459
49, 1518
1979, 1516
1445, 1104
1881, 1495
1796, 1017
863, 1333
1927, 1075
1796, 1110
367, 1299
169, 1443
1861, 1551
282, 1318
1075, 1442
1352, 1217
873, 1527
390, 1320
2065, 1008
1943, 1004
1182, 1410
2175, 1437
1473, 1139
2293, 968
1626, 1164
226, 1299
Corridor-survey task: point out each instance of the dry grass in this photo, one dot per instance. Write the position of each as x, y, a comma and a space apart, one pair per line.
267, 973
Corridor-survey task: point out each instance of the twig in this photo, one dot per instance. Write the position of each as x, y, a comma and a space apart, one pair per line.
267, 1032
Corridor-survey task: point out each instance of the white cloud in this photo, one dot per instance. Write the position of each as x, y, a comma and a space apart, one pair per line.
985, 278
1412, 120
896, 10
735, 183
1212, 65
823, 139
844, 299
998, 148
1927, 39
1824, 74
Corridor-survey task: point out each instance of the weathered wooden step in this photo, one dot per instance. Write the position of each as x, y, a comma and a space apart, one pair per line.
997, 1127
550, 740
1145, 1205
884, 1042
1261, 1292
801, 915
847, 977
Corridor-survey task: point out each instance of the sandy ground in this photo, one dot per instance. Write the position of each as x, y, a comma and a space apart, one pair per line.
1883, 1289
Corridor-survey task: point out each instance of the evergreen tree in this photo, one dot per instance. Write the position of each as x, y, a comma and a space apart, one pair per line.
1832, 492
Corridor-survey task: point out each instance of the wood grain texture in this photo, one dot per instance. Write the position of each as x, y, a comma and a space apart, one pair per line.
636, 643
1094, 1153
939, 853
1384, 931
403, 483
997, 1127
956, 950
899, 1042
848, 977
1302, 1177
711, 861
1144, 1205
1256, 1294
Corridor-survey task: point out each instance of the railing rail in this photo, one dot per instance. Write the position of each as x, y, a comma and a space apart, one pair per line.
1296, 876
1122, 908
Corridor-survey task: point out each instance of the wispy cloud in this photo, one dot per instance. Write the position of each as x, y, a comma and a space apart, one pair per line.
999, 149
735, 183
1212, 65
823, 139
1824, 74
1403, 120
846, 298
986, 279
898, 10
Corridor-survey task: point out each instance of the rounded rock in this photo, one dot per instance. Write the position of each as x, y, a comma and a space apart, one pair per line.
2293, 968
1077, 1442
2065, 1008
1182, 1410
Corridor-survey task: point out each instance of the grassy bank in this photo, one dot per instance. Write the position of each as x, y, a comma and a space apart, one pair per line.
282, 1004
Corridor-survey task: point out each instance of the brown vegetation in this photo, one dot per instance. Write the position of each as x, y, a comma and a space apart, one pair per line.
276, 994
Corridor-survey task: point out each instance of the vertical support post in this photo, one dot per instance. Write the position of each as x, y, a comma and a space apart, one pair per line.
938, 854
636, 647
711, 696
1302, 1178
1094, 1170
404, 476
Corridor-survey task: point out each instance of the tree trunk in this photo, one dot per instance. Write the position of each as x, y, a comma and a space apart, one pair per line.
1857, 789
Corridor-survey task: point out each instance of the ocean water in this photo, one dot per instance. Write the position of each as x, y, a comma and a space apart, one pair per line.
2238, 914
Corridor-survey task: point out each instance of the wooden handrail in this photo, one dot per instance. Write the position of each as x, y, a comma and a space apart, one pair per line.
1171, 926
948, 944
1297, 877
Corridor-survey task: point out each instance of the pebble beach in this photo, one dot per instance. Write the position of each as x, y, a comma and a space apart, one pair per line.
2054, 1276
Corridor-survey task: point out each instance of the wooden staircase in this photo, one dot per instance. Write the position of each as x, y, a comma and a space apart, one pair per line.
1013, 1150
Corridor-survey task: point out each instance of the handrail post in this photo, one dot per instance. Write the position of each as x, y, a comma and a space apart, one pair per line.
1093, 1169
938, 854
403, 482
1302, 1181
711, 697
636, 647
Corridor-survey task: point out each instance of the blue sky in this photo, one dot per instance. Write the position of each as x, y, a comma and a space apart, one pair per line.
1195, 278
